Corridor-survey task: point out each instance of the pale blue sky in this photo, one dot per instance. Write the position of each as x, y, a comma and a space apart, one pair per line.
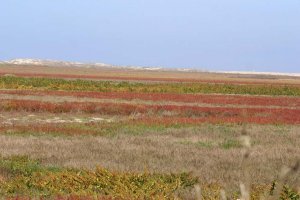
260, 35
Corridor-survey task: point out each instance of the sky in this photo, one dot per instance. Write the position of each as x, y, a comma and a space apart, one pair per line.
215, 35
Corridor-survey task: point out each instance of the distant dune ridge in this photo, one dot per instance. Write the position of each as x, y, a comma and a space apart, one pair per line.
55, 63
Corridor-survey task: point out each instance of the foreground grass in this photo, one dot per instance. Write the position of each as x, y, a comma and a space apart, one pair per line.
110, 86
22, 177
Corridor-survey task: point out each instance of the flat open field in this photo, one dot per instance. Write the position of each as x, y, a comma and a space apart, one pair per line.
125, 74
134, 134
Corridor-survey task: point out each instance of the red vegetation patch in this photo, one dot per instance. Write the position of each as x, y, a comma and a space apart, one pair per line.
186, 114
184, 98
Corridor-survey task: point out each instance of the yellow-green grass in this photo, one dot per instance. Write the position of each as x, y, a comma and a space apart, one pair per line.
22, 177
7, 82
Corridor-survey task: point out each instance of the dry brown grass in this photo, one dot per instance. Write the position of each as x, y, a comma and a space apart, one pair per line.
210, 152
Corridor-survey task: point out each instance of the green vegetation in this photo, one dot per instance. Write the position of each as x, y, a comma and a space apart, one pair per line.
11, 82
231, 143
21, 176
227, 144
206, 144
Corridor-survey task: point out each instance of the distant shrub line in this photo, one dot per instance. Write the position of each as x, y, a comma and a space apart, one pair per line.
7, 82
